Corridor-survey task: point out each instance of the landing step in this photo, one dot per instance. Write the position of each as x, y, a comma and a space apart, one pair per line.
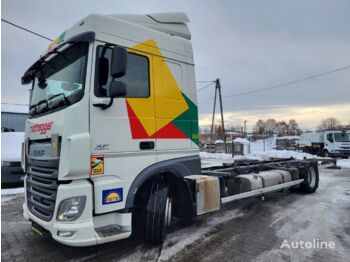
112, 230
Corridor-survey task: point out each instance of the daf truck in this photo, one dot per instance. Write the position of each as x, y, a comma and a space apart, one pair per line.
330, 143
112, 134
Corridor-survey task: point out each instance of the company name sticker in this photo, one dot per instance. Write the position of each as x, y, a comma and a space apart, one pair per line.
110, 196
41, 128
97, 165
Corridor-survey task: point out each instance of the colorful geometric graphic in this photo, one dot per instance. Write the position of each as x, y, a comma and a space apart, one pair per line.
57, 41
168, 113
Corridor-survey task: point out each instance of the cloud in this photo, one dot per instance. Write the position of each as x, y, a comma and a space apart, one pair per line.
248, 44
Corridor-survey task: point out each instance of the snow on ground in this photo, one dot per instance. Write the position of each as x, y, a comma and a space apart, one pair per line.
11, 191
263, 149
263, 145
281, 154
343, 163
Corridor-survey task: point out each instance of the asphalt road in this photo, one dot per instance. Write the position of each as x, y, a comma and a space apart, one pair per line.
247, 230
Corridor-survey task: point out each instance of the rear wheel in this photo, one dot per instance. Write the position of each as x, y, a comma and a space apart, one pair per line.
158, 212
311, 179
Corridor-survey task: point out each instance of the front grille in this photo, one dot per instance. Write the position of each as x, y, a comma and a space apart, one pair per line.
41, 189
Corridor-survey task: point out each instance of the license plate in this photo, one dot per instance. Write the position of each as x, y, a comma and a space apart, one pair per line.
39, 230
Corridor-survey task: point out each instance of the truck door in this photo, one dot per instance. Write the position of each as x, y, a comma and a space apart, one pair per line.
330, 137
172, 123
120, 133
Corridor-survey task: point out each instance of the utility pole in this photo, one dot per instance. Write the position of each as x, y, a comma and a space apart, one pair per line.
218, 91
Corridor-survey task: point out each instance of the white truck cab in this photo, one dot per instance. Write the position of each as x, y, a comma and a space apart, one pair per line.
332, 143
113, 104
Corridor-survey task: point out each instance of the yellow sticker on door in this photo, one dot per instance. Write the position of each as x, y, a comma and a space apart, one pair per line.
97, 165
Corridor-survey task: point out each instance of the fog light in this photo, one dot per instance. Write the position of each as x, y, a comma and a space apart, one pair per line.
71, 208
65, 233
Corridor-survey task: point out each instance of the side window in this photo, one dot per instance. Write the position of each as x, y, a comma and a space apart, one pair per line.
136, 77
330, 137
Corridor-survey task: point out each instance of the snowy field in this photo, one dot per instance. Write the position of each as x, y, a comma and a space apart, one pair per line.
344, 163
259, 150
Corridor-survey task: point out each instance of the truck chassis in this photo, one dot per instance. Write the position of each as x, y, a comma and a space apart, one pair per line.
216, 186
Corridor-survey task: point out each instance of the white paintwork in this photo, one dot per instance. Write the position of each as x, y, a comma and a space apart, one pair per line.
170, 23
104, 183
11, 143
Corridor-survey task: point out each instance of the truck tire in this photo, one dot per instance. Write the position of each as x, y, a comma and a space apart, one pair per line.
325, 153
311, 179
158, 212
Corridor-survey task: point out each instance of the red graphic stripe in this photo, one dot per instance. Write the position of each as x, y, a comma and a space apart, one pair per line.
137, 130
169, 131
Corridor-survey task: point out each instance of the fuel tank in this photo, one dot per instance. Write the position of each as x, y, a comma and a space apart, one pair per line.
254, 181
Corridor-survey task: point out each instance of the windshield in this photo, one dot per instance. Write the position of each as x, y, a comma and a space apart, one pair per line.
60, 80
342, 137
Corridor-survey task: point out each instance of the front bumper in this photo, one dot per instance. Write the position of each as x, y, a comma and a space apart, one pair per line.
85, 228
341, 153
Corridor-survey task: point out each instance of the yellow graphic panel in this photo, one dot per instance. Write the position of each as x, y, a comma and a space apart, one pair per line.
167, 97
169, 100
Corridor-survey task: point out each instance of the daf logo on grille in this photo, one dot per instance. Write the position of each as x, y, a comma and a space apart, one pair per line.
38, 152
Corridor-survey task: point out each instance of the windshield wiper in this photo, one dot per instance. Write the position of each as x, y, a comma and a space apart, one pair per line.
61, 100
50, 103
39, 107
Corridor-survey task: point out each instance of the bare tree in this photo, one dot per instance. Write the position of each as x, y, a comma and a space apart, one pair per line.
259, 127
282, 128
329, 123
293, 128
271, 125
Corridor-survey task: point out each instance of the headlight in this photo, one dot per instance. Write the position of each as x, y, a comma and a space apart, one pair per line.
71, 208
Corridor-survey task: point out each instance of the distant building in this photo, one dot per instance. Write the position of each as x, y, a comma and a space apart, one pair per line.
13, 117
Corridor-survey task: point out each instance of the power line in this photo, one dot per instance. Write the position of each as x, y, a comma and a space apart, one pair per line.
289, 83
25, 29
206, 86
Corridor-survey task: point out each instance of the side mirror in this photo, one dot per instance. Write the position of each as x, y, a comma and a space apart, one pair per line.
117, 89
119, 61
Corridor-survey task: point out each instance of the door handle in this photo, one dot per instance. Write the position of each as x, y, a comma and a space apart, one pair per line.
146, 145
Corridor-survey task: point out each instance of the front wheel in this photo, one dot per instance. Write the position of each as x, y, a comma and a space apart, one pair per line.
158, 212
311, 179
325, 153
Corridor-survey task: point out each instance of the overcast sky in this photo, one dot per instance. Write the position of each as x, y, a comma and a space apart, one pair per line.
248, 44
